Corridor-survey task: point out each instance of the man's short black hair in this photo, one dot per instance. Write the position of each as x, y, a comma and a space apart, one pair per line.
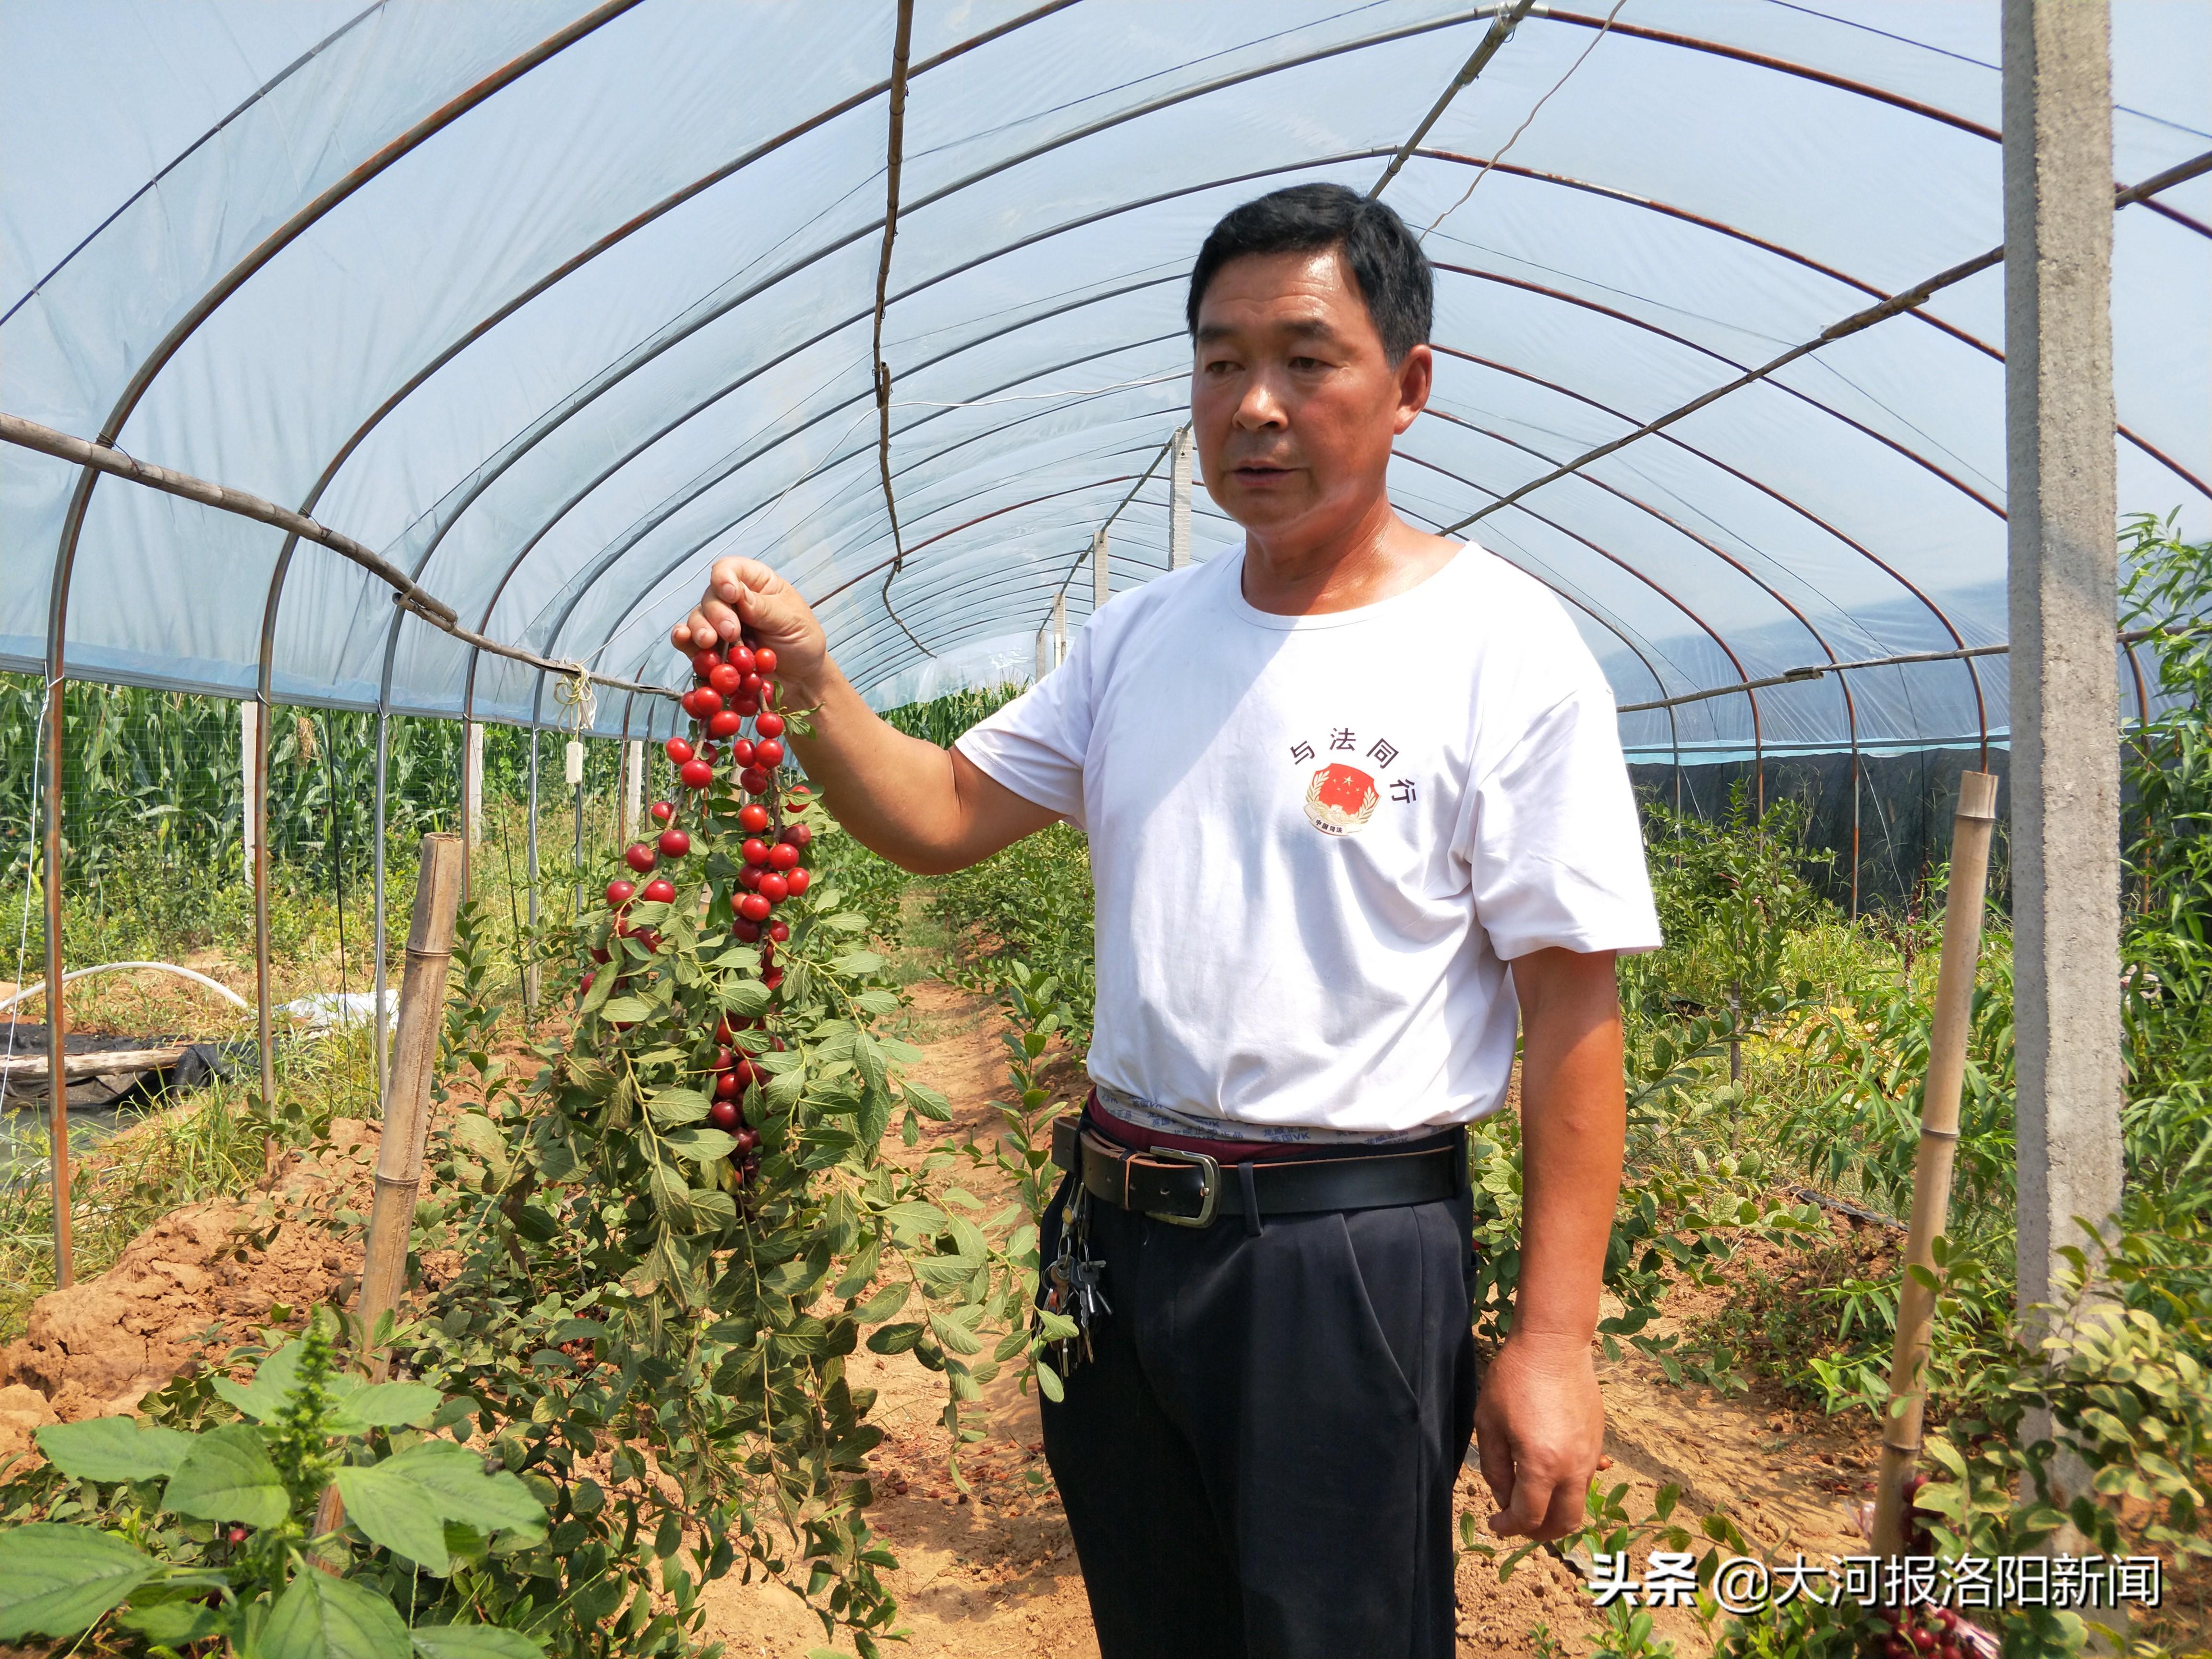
1386, 263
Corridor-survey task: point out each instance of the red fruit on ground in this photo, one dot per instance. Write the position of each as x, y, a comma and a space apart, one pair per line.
724, 1115
745, 932
754, 782
618, 893
783, 856
659, 892
774, 888
639, 858
726, 722
779, 931
767, 752
675, 844
769, 725
697, 774
753, 907
726, 679
741, 659
678, 750
664, 809
753, 819
756, 850
741, 752
796, 881
764, 660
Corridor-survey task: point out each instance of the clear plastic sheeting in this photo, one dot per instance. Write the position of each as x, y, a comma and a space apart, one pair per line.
553, 306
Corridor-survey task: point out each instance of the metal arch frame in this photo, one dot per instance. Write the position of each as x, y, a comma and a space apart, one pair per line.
1843, 680
1981, 710
607, 556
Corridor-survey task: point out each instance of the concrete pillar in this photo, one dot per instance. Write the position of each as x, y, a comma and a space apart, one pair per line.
1058, 628
2065, 682
1179, 502
472, 785
249, 764
1043, 653
1098, 563
633, 808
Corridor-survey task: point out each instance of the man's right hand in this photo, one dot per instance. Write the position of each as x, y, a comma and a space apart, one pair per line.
746, 595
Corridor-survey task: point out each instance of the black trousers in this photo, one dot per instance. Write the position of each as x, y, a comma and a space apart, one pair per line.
1259, 1460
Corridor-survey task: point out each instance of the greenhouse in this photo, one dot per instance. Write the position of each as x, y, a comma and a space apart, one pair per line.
380, 383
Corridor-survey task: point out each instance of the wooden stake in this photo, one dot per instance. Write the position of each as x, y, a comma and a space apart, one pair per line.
406, 1106
1939, 1139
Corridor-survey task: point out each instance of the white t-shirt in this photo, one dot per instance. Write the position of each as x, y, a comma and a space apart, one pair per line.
1316, 842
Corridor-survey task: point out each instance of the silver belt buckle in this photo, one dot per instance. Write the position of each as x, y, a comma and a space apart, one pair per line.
1211, 1200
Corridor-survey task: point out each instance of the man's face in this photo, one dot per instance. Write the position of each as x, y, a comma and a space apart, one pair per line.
1293, 401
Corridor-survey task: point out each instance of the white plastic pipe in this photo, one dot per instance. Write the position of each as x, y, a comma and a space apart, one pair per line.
216, 986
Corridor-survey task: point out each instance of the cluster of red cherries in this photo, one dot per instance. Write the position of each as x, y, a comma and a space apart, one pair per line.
734, 687
1925, 1633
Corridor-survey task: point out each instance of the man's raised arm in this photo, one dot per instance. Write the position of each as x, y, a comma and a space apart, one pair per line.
925, 809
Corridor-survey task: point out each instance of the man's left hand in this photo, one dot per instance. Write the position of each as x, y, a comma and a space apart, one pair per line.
1541, 1426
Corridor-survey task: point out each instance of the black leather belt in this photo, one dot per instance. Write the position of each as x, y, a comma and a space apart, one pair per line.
1189, 1189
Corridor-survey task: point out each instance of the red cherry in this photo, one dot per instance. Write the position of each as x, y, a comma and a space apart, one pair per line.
664, 810
747, 1139
754, 782
774, 888
783, 856
726, 1086
724, 679
750, 685
725, 722
704, 663
599, 953
779, 931
767, 695
675, 844
584, 985
237, 1534
753, 907
648, 937
659, 892
707, 753
797, 835
618, 893
745, 932
767, 752
741, 752
753, 819
769, 725
767, 954
772, 978
725, 1057
748, 877
689, 703
724, 1115
796, 881
697, 774
764, 660
679, 751
639, 858
756, 850
746, 705
742, 659
1896, 1647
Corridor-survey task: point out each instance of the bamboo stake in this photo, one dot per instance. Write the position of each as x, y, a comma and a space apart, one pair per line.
406, 1106
1939, 1139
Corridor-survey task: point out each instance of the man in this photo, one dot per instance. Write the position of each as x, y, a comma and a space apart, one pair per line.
1353, 797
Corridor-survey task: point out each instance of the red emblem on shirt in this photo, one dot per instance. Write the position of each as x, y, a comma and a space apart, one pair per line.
1340, 799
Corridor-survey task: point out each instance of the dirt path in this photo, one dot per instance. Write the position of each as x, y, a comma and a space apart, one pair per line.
994, 1575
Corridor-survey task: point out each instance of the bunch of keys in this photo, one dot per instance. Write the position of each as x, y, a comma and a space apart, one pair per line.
1074, 1288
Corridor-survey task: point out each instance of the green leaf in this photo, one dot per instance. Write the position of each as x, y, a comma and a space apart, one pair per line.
916, 1216
263, 1397
857, 964
473, 1642
956, 1338
744, 997
384, 1406
403, 1502
227, 1476
702, 1146
56, 1580
672, 1108
926, 1101
1048, 1382
883, 1304
321, 1617
894, 1339
113, 1449
174, 1622
625, 1010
